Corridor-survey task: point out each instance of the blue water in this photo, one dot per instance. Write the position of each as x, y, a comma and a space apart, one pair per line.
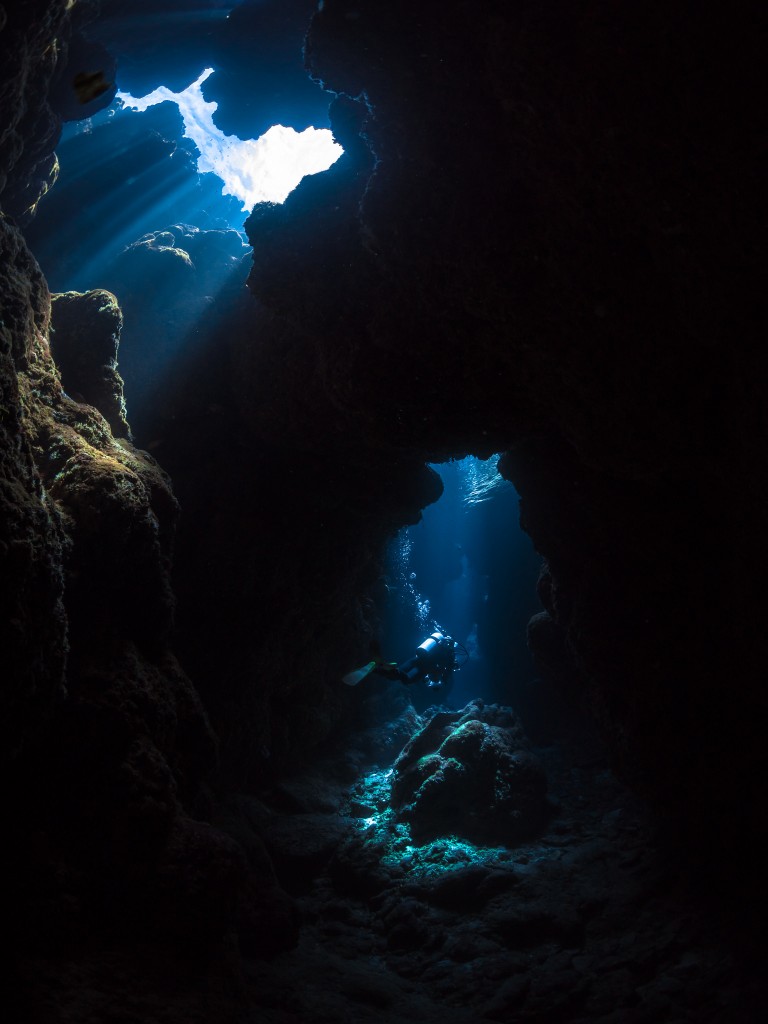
469, 570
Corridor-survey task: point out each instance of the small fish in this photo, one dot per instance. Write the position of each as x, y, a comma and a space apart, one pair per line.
90, 84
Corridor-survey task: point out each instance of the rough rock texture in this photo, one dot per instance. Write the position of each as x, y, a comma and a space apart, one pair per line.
104, 725
275, 543
590, 922
84, 342
29, 129
469, 773
108, 748
43, 50
33, 621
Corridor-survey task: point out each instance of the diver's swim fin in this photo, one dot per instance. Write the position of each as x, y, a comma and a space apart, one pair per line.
353, 678
388, 669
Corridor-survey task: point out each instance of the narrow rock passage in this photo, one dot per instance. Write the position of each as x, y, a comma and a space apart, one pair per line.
590, 921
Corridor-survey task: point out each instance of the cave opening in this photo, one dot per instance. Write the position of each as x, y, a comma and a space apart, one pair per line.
185, 147
263, 170
465, 570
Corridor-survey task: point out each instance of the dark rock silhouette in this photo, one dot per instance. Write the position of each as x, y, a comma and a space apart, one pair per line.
85, 336
469, 773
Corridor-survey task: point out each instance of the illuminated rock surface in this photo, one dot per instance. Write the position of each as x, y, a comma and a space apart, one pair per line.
469, 773
84, 343
586, 922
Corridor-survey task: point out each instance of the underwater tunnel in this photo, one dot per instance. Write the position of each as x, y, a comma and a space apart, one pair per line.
465, 570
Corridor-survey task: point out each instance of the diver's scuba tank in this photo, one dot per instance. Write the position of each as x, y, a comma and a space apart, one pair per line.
436, 658
436, 654
434, 640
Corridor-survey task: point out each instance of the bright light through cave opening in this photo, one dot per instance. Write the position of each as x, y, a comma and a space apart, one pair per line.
254, 171
468, 570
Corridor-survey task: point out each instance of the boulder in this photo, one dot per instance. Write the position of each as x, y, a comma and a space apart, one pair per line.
470, 774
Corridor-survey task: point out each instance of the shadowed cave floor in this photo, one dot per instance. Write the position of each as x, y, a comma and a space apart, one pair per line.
590, 921
594, 920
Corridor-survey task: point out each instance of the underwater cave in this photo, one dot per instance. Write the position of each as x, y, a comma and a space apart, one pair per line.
382, 550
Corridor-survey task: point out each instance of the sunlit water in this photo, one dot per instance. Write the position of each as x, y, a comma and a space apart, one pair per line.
260, 170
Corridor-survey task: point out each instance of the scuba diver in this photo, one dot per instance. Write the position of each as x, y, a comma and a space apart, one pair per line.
435, 661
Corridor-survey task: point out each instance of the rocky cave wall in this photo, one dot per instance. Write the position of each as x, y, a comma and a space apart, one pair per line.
555, 256
105, 740
545, 242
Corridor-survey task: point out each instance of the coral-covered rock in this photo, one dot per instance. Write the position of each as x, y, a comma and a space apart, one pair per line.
103, 723
465, 775
119, 513
85, 336
33, 625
